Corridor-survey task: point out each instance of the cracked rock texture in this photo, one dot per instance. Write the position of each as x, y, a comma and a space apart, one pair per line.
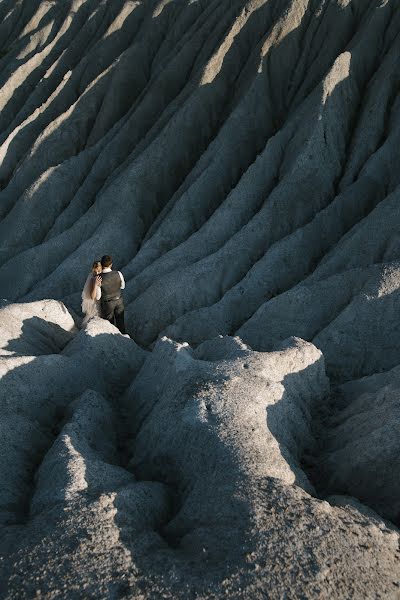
239, 160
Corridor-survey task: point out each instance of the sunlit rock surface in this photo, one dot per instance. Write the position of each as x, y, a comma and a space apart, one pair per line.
239, 160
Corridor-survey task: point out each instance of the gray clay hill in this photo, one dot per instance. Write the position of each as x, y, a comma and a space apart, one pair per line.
241, 162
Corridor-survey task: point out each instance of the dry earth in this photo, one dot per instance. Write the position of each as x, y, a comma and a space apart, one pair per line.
239, 160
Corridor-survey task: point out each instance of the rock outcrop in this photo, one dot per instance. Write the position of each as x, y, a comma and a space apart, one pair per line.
173, 473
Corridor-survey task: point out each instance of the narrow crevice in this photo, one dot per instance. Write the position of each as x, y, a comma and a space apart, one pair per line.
50, 434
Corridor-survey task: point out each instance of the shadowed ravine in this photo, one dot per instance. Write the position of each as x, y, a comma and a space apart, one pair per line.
239, 160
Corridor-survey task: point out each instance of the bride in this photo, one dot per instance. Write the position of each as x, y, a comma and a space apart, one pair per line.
91, 293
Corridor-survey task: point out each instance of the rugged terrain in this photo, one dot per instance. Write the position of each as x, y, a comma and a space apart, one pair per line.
239, 160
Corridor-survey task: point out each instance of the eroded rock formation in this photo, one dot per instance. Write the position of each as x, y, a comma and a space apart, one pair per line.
239, 161
177, 472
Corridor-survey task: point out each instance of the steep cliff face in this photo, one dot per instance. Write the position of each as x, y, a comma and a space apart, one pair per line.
229, 155
239, 161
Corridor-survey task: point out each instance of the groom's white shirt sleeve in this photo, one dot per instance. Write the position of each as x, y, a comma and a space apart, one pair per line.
122, 280
98, 292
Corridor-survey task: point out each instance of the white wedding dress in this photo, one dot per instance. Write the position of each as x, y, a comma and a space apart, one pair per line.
90, 307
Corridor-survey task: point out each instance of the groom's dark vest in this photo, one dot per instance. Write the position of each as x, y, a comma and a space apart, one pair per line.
110, 286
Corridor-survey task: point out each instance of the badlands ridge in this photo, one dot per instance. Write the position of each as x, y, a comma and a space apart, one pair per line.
239, 160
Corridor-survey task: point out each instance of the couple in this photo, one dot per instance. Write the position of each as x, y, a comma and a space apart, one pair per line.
101, 296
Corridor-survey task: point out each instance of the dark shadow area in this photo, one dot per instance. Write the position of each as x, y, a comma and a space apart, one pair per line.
82, 69
40, 337
204, 472
357, 453
308, 453
376, 347
13, 18
327, 425
13, 106
291, 419
19, 43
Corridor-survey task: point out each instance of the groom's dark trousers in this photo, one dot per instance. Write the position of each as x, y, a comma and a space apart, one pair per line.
111, 302
113, 311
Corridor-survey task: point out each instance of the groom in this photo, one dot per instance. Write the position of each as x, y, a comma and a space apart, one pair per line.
111, 301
